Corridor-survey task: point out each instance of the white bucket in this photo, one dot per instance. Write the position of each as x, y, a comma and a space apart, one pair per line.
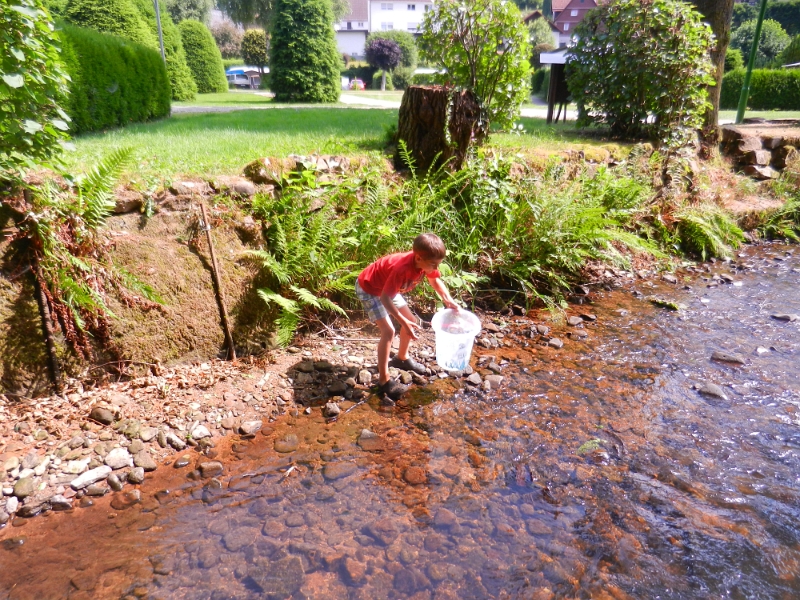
455, 333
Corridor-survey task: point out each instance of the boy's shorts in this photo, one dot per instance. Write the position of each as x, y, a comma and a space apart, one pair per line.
372, 304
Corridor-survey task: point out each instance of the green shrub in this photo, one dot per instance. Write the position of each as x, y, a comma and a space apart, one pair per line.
787, 13
115, 81
304, 62
545, 84
406, 41
791, 54
376, 81
365, 74
227, 63
772, 42
118, 17
537, 79
203, 57
182, 10
254, 48
770, 89
33, 86
733, 59
180, 77
402, 77
633, 61
426, 78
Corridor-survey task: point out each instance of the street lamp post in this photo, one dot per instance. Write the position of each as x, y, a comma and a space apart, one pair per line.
160, 34
748, 74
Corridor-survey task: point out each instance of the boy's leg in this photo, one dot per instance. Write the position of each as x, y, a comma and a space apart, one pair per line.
405, 338
384, 347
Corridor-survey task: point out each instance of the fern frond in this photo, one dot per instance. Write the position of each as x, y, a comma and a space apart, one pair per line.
286, 304
95, 201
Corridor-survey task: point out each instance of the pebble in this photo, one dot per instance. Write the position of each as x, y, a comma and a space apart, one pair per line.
712, 389
728, 357
785, 317
90, 477
288, 443
331, 409
493, 381
176, 442
555, 343
136, 475
145, 461
210, 469
250, 427
364, 377
119, 458
182, 461
147, 434
12, 504
102, 415
25, 487
76, 467
339, 470
114, 482
96, 490
574, 321
200, 432
415, 475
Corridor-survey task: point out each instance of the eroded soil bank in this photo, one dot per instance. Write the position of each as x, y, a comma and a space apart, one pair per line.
654, 455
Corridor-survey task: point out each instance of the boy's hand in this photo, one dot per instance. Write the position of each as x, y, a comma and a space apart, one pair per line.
412, 328
451, 304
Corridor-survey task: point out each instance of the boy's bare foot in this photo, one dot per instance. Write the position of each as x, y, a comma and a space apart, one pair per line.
408, 364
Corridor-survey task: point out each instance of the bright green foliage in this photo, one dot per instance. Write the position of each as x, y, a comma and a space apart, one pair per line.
118, 17
484, 47
773, 40
787, 13
180, 77
707, 231
770, 89
784, 223
114, 82
55, 7
181, 10
733, 59
254, 48
401, 78
377, 81
791, 54
203, 57
743, 12
304, 62
33, 84
634, 59
406, 41
540, 32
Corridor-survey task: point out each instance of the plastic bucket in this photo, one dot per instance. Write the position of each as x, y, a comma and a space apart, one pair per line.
455, 333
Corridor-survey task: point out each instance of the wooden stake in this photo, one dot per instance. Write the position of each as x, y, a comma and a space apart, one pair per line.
218, 285
47, 329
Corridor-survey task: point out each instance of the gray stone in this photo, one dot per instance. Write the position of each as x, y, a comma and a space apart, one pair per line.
364, 377
338, 470
90, 477
281, 579
542, 329
728, 357
712, 389
145, 460
494, 367
114, 482
176, 442
59, 502
574, 321
136, 447
337, 388
4, 517
11, 464
119, 458
31, 460
75, 467
136, 475
757, 157
555, 343
250, 427
161, 438
761, 173
305, 367
147, 434
494, 381
12, 504
288, 443
474, 379
331, 409
210, 469
102, 415
200, 432
96, 490
25, 487
785, 317
749, 144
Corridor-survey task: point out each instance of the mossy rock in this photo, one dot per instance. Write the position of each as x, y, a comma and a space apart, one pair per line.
269, 170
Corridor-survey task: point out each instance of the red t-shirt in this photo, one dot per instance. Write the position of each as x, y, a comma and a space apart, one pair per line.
393, 274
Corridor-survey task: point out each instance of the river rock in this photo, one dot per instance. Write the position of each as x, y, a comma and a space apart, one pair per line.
136, 475
90, 477
12, 504
125, 500
415, 475
338, 470
176, 442
114, 483
353, 570
145, 461
147, 434
331, 409
25, 487
119, 458
102, 415
728, 357
494, 381
59, 502
96, 490
574, 321
323, 365
11, 464
669, 278
444, 519
337, 388
239, 538
288, 443
364, 377
210, 469
785, 317
385, 531
712, 389
281, 579
474, 379
555, 343
200, 432
76, 467
250, 427
136, 446
369, 441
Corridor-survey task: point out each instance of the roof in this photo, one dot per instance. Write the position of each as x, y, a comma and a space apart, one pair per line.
537, 14
359, 11
560, 4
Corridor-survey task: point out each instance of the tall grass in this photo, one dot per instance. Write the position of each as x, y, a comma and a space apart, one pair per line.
531, 234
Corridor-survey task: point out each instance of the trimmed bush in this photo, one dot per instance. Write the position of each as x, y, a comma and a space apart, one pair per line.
305, 62
733, 59
537, 79
402, 77
770, 89
408, 46
227, 63
203, 57
376, 81
254, 48
184, 10
791, 54
180, 77
115, 81
118, 17
771, 43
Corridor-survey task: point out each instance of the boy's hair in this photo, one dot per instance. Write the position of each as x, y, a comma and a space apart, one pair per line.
430, 246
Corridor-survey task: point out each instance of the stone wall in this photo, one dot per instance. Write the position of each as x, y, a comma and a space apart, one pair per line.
761, 148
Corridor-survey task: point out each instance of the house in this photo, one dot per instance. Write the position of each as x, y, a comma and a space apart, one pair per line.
567, 14
367, 16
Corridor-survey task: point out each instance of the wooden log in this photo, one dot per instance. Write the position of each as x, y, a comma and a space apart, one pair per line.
437, 125
53, 365
223, 311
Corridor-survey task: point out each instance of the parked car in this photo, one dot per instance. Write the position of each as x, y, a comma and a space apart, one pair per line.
357, 84
239, 80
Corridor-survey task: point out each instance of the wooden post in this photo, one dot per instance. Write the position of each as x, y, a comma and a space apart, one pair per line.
223, 312
47, 330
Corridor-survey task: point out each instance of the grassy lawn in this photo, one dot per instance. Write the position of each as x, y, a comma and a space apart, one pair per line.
222, 143
730, 115
232, 98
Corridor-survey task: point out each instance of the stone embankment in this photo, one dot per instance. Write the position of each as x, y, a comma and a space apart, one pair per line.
762, 148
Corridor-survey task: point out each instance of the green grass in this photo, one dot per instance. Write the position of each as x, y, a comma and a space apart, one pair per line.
222, 143
231, 98
730, 115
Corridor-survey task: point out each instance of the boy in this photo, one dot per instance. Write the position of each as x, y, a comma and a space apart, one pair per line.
379, 287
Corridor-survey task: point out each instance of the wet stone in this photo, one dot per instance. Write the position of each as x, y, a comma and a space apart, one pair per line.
444, 519
239, 538
59, 502
282, 579
182, 461
102, 415
339, 470
305, 367
712, 389
295, 520
474, 379
337, 388
494, 381
323, 365
785, 317
331, 409
353, 570
369, 441
210, 469
555, 343
728, 357
25, 487
176, 442
415, 475
114, 482
384, 531
574, 321
119, 458
96, 490
288, 443
145, 460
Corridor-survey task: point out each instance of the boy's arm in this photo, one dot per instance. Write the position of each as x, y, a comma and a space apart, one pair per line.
440, 288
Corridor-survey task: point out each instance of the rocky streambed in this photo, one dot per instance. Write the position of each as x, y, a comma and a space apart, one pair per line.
632, 451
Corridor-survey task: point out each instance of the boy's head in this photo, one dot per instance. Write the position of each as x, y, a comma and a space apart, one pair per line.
429, 251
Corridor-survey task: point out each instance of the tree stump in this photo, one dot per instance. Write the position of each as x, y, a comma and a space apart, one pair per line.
437, 125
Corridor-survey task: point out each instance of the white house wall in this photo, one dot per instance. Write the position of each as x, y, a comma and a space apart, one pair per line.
397, 15
351, 42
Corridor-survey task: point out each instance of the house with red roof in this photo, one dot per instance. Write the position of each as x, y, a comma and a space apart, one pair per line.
567, 14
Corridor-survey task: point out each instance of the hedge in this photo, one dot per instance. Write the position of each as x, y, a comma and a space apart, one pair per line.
770, 89
115, 81
537, 78
365, 74
117, 17
203, 57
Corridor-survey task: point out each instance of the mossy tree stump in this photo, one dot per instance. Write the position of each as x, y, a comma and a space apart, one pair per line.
437, 125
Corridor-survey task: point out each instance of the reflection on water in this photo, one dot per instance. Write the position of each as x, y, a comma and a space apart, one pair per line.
599, 471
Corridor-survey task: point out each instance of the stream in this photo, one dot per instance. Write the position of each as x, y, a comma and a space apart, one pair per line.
598, 470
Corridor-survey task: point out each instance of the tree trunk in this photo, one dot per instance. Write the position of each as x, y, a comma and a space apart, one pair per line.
437, 126
53, 365
383, 80
718, 14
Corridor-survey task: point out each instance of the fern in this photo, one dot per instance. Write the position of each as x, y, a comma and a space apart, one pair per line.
707, 231
785, 222
95, 201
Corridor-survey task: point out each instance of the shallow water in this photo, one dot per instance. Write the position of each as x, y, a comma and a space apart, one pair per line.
596, 472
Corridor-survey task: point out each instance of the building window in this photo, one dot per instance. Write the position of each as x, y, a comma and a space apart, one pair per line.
427, 7
360, 24
349, 25
413, 26
573, 13
412, 7
387, 6
387, 26
566, 26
